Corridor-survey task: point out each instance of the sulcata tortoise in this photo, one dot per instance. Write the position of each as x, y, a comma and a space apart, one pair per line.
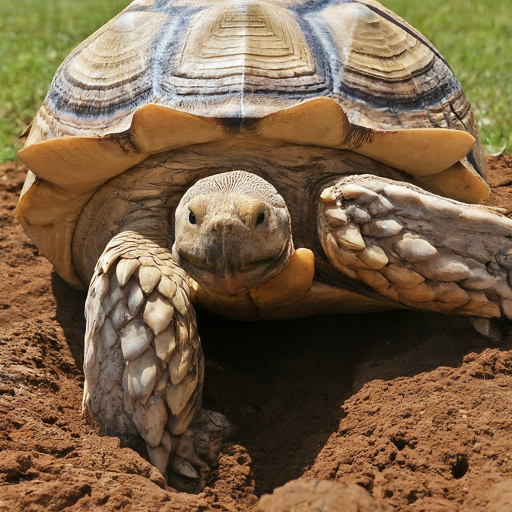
262, 160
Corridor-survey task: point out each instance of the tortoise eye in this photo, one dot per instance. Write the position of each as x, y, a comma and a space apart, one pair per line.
260, 219
192, 217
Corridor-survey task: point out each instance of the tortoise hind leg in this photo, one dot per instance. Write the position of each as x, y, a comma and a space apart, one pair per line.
416, 248
143, 361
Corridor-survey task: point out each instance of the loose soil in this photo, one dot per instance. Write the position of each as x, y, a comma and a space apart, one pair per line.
414, 407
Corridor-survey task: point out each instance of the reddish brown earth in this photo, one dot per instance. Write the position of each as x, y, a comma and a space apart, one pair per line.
416, 408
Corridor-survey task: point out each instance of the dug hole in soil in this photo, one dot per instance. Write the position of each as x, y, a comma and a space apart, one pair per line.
414, 407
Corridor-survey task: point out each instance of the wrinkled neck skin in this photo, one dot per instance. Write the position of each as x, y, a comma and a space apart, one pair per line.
232, 232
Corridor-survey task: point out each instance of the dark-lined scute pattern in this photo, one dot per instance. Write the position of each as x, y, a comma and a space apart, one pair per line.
109, 75
244, 59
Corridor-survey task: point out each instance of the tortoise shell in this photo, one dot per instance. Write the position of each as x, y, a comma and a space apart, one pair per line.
164, 74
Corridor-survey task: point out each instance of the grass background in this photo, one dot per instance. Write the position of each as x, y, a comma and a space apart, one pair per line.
35, 37
474, 36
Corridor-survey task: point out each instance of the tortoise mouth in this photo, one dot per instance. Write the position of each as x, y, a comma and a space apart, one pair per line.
229, 277
189, 259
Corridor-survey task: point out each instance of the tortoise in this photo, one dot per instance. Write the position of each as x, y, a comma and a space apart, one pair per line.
261, 159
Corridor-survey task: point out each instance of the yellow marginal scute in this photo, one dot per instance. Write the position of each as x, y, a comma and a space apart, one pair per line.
322, 122
53, 227
460, 182
317, 122
82, 164
156, 129
418, 151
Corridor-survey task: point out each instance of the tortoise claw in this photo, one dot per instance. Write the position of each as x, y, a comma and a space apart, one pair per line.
486, 327
194, 463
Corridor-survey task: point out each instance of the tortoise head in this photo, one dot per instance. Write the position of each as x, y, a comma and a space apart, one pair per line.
233, 232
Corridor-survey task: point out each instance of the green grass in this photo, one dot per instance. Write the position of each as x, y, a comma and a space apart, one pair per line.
35, 37
475, 36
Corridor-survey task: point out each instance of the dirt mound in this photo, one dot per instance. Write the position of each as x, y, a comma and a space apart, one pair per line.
416, 408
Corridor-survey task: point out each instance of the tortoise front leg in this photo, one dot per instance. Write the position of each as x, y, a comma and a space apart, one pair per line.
143, 361
417, 248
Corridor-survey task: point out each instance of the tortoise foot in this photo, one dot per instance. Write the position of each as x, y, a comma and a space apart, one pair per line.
419, 249
195, 460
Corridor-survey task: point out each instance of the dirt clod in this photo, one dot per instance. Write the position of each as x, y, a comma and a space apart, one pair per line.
320, 496
413, 408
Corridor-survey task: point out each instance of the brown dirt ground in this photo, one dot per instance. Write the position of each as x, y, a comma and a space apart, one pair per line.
414, 407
